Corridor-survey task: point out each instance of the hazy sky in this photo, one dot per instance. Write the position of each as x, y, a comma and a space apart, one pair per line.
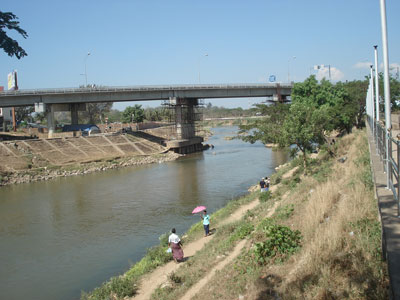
165, 42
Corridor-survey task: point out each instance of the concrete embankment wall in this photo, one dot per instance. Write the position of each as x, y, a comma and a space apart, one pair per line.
36, 153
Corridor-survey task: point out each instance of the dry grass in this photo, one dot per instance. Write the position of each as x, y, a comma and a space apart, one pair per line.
339, 222
340, 254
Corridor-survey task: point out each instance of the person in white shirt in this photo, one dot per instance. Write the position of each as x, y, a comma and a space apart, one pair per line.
174, 242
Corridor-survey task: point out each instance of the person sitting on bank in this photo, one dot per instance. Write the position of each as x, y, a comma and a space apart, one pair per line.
206, 223
262, 185
174, 242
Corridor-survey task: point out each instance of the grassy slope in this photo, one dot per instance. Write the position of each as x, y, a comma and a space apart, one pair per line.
338, 256
335, 211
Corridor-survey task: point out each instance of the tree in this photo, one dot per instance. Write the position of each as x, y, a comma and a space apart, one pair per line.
317, 108
268, 129
133, 114
394, 90
153, 114
114, 115
9, 21
357, 91
304, 126
23, 113
341, 108
95, 112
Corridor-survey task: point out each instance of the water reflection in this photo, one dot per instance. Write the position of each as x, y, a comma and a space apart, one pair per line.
279, 157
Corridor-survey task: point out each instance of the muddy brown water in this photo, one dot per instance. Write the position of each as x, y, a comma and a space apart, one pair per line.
66, 235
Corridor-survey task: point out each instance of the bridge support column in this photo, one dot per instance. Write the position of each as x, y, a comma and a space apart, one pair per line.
74, 114
185, 117
51, 124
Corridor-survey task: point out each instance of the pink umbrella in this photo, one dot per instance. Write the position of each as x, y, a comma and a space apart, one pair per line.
199, 209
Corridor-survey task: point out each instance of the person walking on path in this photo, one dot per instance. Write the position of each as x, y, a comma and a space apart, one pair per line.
174, 242
206, 223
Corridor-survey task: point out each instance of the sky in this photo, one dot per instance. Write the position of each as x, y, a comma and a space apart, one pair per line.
191, 42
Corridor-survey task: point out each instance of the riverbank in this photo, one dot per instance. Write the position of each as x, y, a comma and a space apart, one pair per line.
52, 172
21, 162
315, 236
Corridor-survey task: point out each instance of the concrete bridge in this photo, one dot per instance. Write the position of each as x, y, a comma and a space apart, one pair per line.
184, 98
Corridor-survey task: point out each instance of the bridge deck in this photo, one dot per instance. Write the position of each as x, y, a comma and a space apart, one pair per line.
140, 93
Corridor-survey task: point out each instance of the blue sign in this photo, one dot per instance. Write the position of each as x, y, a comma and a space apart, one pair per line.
272, 78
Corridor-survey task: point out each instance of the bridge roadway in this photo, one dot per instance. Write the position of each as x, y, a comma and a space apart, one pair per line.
141, 93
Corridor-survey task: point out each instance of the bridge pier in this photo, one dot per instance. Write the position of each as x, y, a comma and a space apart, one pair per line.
51, 124
185, 118
74, 113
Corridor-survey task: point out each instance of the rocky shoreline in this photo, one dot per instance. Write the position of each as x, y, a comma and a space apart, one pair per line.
51, 172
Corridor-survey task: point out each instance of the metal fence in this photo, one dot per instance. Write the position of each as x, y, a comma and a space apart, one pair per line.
388, 150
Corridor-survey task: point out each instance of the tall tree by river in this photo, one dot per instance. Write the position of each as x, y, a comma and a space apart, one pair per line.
317, 109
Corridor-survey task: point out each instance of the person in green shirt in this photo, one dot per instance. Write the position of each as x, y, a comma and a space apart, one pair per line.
206, 223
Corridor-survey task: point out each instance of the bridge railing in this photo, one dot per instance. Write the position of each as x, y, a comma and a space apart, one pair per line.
388, 150
95, 88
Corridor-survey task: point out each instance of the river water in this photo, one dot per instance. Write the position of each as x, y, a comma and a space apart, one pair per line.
66, 235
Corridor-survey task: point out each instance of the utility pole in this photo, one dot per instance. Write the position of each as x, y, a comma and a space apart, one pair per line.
376, 83
388, 119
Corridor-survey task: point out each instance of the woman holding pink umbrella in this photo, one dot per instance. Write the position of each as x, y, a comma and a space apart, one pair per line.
206, 223
205, 217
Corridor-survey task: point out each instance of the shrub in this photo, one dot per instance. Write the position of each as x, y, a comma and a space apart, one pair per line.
284, 212
158, 256
265, 196
249, 214
243, 231
118, 286
281, 241
276, 179
163, 239
175, 278
264, 224
370, 230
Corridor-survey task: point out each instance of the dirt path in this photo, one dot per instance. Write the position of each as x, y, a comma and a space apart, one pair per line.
238, 248
201, 284
150, 282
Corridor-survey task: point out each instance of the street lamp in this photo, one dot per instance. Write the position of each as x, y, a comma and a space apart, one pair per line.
288, 72
86, 57
199, 64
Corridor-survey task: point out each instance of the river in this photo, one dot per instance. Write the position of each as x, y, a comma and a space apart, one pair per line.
70, 234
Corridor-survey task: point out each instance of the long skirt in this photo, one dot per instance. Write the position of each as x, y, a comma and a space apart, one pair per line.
177, 252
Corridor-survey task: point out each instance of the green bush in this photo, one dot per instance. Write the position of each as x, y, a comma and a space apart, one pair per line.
264, 224
118, 286
370, 230
175, 278
163, 239
284, 212
320, 170
265, 196
242, 231
249, 214
281, 241
276, 179
158, 255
